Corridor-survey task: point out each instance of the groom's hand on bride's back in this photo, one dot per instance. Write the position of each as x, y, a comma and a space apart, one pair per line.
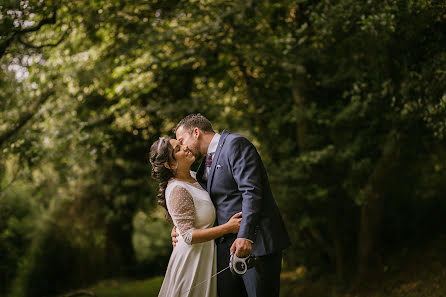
174, 235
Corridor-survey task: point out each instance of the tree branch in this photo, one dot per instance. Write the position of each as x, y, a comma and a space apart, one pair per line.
45, 21
6, 44
14, 177
42, 45
80, 293
24, 118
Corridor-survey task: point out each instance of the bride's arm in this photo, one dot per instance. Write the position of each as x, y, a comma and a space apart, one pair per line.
232, 226
182, 210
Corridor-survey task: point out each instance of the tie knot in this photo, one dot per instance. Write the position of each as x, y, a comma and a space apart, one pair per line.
209, 159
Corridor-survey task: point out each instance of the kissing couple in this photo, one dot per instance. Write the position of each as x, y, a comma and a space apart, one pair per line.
225, 208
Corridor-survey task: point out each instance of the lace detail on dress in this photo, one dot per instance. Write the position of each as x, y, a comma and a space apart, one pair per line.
182, 210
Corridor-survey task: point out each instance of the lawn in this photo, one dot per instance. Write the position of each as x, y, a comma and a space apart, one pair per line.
419, 272
129, 288
133, 288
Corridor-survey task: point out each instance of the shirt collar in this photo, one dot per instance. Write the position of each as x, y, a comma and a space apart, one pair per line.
214, 142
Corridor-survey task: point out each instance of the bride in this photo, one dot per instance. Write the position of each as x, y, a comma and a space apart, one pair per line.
193, 260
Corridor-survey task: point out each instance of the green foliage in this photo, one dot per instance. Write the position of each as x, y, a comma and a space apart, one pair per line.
342, 99
15, 227
152, 242
63, 255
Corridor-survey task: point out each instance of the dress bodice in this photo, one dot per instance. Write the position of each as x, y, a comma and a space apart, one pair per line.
190, 265
190, 207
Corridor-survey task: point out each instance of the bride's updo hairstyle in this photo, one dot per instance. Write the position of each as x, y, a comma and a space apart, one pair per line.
160, 153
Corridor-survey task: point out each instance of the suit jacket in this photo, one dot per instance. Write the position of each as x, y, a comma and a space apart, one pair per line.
238, 182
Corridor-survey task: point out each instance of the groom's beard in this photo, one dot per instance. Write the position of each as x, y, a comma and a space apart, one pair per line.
195, 149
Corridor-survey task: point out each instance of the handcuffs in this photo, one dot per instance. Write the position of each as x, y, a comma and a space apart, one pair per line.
239, 265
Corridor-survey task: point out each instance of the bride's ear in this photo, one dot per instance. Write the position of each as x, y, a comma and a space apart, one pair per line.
168, 166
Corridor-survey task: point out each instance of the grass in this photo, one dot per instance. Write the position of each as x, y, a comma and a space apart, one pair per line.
411, 272
128, 288
415, 272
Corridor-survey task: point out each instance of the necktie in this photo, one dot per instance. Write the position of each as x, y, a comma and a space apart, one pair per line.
209, 160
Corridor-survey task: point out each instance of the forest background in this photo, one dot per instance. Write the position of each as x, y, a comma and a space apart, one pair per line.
345, 101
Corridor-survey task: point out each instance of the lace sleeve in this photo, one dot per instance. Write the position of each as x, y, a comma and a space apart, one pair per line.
182, 210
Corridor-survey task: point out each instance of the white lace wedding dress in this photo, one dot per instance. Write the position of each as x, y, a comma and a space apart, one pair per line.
190, 265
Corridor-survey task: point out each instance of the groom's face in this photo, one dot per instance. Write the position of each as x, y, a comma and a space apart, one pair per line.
188, 139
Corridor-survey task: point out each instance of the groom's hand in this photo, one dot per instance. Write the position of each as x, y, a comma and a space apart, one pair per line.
242, 247
174, 235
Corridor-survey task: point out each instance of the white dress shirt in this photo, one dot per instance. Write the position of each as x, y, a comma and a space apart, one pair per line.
211, 150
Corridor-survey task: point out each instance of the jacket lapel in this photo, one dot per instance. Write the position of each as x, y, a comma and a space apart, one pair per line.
200, 173
224, 134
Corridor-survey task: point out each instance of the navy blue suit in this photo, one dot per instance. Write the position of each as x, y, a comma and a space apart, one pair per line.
238, 182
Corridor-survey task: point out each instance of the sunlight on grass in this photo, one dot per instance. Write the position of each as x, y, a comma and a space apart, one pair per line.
146, 288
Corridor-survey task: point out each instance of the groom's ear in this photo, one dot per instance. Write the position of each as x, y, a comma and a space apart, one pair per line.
196, 132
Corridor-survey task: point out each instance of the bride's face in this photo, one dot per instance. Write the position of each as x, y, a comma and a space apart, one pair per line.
182, 155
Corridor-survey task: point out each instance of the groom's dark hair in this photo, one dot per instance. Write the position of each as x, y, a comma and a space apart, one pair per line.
194, 120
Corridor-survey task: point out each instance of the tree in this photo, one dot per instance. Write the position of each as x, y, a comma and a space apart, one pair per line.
343, 100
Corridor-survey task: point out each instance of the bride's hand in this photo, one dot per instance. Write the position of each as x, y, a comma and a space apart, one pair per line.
174, 235
233, 224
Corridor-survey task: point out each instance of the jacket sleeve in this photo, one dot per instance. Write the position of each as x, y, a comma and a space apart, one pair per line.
247, 169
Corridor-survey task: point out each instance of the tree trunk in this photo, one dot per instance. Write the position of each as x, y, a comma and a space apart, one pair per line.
371, 210
369, 227
338, 251
301, 129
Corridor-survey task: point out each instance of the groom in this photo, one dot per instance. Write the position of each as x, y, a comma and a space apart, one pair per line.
236, 180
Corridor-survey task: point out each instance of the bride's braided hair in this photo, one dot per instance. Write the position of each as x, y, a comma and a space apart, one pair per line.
160, 153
